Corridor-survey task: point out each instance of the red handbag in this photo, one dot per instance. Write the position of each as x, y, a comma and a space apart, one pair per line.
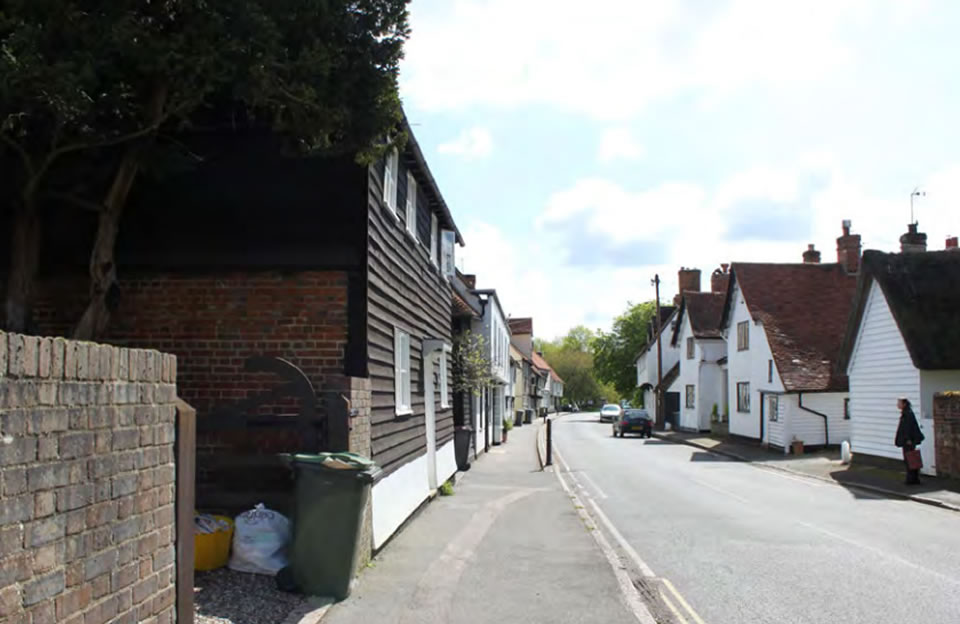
914, 459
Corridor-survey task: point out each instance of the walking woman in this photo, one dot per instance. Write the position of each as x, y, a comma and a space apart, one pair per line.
909, 438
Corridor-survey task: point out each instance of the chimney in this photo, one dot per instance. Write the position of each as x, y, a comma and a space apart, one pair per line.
811, 255
720, 279
848, 249
470, 281
913, 241
951, 244
687, 279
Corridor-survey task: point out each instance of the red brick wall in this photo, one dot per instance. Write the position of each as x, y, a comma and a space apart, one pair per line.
946, 427
213, 323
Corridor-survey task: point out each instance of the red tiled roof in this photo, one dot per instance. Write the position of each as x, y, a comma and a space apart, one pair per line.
804, 309
521, 325
542, 364
706, 313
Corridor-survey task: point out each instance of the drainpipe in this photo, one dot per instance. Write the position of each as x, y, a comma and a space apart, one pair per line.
826, 426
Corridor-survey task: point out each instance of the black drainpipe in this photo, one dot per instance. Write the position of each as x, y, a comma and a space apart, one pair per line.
826, 426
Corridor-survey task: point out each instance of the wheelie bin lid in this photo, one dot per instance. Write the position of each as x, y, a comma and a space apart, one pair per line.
343, 463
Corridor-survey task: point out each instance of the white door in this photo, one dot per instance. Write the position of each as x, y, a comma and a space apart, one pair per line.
429, 401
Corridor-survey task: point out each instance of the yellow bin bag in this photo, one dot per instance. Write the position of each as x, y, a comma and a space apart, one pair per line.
212, 550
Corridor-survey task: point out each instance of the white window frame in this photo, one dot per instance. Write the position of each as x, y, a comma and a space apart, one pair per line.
391, 171
411, 204
773, 406
690, 348
448, 241
434, 242
401, 372
743, 397
690, 398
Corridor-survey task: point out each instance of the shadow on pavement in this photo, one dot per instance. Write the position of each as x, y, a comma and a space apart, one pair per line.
595, 421
704, 456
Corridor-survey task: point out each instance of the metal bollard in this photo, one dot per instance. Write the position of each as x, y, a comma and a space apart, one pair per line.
549, 461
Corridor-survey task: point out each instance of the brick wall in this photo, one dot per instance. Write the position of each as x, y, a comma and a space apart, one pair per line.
87, 483
212, 323
946, 427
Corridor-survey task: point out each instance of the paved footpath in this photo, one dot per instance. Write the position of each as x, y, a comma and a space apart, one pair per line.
510, 545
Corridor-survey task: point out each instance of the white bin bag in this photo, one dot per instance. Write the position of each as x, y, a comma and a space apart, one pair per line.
261, 538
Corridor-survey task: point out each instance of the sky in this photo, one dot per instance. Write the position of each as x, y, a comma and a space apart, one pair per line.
584, 147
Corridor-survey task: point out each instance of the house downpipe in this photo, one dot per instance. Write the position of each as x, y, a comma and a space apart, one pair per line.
826, 426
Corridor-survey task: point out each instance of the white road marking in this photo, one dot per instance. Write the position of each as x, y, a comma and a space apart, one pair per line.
720, 490
881, 552
594, 484
628, 591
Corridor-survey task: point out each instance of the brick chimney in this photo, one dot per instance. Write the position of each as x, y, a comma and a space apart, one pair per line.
470, 281
687, 279
811, 255
720, 279
848, 249
952, 244
913, 241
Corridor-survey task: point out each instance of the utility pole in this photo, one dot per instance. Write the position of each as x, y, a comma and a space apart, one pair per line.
659, 393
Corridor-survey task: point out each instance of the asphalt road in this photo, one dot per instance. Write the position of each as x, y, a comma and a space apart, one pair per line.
743, 544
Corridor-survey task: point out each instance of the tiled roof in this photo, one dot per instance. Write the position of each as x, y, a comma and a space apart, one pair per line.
521, 325
706, 314
804, 309
542, 364
923, 292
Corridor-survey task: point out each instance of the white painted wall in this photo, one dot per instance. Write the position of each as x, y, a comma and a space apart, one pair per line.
880, 370
446, 462
710, 392
806, 427
397, 496
750, 366
689, 375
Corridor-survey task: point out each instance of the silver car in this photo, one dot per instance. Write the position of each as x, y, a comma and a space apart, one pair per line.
610, 413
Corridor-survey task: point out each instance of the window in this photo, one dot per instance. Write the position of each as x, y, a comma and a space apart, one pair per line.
770, 371
411, 204
401, 372
774, 401
390, 171
689, 348
433, 239
743, 335
691, 396
743, 396
846, 409
444, 383
448, 239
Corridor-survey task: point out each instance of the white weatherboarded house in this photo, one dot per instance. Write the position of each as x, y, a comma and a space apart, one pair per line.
699, 340
903, 340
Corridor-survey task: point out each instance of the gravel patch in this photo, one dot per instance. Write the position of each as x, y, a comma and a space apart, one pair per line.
227, 597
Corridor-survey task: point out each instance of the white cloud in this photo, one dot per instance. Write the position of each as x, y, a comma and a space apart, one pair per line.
536, 276
471, 143
619, 144
610, 63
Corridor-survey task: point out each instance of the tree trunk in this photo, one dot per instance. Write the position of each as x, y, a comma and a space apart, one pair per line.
24, 259
103, 267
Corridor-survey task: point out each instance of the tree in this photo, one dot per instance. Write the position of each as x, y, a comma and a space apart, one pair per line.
99, 81
471, 370
615, 353
572, 358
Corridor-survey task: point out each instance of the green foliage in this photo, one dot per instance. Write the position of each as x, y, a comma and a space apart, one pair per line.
446, 488
471, 369
508, 423
615, 353
91, 91
571, 357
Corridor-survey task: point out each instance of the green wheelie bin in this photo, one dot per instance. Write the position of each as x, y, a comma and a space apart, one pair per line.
332, 490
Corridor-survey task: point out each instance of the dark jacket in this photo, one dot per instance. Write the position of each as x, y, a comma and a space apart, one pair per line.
908, 431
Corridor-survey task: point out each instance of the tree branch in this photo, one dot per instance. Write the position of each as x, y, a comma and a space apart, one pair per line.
24, 156
73, 199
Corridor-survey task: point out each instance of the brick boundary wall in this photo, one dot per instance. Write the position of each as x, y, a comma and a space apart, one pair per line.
946, 428
87, 483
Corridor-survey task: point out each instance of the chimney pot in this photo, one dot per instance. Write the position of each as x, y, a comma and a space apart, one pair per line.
688, 279
470, 281
720, 279
913, 241
952, 243
848, 249
811, 255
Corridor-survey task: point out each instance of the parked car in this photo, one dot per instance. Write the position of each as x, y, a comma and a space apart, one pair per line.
634, 421
610, 413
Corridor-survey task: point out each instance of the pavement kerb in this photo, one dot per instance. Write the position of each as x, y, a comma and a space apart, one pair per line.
868, 488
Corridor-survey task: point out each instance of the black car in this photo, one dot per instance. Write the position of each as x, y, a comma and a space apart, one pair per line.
633, 421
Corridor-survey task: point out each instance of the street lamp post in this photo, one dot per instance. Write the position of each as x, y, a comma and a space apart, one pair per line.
659, 393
